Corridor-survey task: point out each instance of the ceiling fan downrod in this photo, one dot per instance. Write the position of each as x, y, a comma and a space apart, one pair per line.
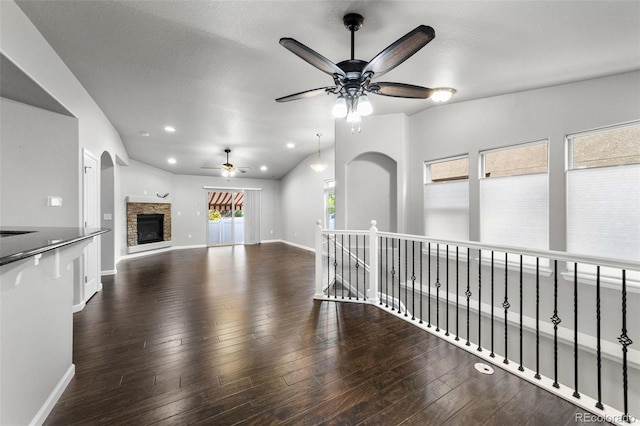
353, 22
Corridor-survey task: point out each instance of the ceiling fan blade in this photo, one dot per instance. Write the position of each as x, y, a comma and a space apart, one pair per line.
311, 56
400, 50
211, 168
305, 94
400, 90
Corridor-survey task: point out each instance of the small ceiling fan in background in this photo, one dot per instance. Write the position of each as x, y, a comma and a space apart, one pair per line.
353, 77
228, 169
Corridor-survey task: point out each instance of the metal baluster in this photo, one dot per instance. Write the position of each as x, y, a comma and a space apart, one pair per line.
438, 287
446, 333
492, 354
349, 258
364, 267
625, 341
520, 367
342, 266
399, 274
479, 300
393, 272
598, 348
429, 285
357, 269
556, 320
386, 275
468, 294
413, 280
406, 285
329, 267
457, 296
421, 281
537, 375
506, 305
576, 394
335, 266
380, 275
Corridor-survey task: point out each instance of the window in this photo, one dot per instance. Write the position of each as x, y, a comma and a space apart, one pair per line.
603, 192
514, 189
330, 204
446, 199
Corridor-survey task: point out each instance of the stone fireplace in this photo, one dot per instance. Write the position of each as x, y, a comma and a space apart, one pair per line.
148, 224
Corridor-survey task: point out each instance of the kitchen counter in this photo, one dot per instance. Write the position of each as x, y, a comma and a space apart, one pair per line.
21, 242
38, 270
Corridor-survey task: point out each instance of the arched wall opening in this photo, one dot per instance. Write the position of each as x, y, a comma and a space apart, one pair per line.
371, 192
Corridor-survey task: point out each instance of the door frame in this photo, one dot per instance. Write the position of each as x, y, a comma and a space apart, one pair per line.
233, 217
90, 218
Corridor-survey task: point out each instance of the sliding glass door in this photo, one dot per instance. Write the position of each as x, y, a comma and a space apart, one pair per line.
226, 218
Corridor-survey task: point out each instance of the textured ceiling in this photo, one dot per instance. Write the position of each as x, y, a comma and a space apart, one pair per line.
212, 69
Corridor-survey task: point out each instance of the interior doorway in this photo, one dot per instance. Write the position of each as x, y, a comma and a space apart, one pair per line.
226, 218
90, 215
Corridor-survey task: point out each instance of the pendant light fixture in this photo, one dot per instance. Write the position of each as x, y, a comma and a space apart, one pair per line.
318, 166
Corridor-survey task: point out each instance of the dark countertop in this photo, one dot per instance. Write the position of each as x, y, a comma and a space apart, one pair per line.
20, 242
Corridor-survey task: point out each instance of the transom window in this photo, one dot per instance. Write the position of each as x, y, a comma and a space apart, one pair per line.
514, 161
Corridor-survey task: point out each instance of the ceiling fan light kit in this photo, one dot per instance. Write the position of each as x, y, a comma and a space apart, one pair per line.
227, 169
442, 94
352, 77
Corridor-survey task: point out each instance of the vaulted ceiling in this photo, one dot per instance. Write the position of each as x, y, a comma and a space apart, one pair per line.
213, 69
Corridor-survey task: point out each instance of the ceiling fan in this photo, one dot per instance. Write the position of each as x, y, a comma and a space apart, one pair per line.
353, 77
228, 169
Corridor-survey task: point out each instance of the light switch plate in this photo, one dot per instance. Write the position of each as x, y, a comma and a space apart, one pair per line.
54, 201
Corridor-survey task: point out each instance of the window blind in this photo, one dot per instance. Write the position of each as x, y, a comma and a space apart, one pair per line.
603, 206
446, 210
514, 211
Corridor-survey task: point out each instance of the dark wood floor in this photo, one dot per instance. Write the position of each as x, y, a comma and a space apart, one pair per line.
232, 335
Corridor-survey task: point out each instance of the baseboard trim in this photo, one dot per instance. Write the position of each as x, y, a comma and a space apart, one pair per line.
109, 272
77, 308
55, 395
300, 246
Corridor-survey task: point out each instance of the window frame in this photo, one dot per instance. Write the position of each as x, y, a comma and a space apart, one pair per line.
609, 277
482, 158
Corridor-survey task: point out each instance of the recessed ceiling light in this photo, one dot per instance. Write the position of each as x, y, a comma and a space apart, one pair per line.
169, 129
171, 161
291, 145
263, 168
144, 133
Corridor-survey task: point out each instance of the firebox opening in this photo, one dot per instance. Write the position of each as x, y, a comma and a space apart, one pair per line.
150, 228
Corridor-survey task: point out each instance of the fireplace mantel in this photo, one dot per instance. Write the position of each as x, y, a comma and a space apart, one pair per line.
146, 200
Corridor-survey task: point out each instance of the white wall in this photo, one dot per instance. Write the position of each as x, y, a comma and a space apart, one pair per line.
189, 210
38, 159
23, 44
190, 199
383, 134
302, 199
468, 127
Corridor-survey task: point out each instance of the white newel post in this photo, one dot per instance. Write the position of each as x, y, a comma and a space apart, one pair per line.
374, 267
318, 294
